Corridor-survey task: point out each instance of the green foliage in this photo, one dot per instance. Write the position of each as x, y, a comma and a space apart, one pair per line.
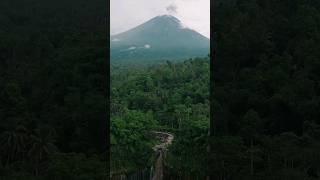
131, 140
76, 166
266, 89
52, 84
170, 95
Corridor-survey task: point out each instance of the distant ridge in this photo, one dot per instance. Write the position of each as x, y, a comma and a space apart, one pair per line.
162, 37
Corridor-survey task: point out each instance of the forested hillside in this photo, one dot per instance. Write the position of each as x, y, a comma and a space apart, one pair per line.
266, 95
52, 89
170, 96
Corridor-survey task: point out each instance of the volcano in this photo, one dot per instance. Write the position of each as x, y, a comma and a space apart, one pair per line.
162, 37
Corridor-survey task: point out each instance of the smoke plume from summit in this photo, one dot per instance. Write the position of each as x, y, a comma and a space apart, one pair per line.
172, 9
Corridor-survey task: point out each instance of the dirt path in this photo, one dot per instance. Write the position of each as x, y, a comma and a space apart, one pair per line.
160, 149
156, 172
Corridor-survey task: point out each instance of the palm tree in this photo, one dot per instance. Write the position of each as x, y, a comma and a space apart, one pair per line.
14, 144
9, 146
180, 111
42, 146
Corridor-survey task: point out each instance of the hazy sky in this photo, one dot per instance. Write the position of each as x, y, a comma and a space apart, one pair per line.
126, 14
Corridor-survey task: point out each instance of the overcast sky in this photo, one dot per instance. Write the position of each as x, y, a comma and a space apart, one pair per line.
126, 14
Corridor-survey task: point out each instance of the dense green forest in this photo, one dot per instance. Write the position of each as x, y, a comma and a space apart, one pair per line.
265, 95
52, 89
169, 96
266, 101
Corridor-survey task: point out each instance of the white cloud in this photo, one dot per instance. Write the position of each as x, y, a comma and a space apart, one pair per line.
126, 14
147, 46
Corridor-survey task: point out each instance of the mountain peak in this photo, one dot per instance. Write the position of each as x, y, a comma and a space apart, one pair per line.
167, 16
167, 19
163, 36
